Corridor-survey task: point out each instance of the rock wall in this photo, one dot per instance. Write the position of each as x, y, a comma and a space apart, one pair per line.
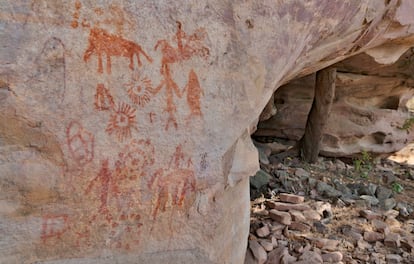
124, 133
371, 110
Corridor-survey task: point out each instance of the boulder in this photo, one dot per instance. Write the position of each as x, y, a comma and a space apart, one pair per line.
125, 125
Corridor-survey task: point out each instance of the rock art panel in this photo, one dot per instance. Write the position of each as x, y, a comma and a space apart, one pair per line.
125, 125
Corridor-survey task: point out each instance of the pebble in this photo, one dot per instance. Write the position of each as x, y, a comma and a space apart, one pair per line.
258, 251
320, 228
274, 242
371, 236
267, 245
301, 173
277, 227
264, 153
371, 199
363, 245
389, 177
311, 257
407, 245
312, 215
325, 189
392, 240
383, 193
276, 255
263, 231
372, 189
351, 232
281, 217
327, 244
380, 226
260, 179
370, 215
287, 206
393, 224
335, 256
393, 258
300, 227
391, 213
291, 198
361, 256
388, 204
249, 259
297, 216
287, 258
377, 258
340, 165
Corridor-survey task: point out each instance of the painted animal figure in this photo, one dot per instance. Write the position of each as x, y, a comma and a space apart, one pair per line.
187, 47
172, 189
103, 43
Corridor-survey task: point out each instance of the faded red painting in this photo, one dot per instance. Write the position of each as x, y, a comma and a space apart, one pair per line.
53, 226
117, 194
103, 43
122, 122
173, 187
76, 14
140, 90
104, 185
103, 98
194, 92
134, 160
80, 143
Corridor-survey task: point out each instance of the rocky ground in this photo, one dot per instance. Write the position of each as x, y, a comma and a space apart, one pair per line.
357, 210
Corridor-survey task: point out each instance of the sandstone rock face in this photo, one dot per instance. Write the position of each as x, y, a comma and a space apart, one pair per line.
371, 110
125, 125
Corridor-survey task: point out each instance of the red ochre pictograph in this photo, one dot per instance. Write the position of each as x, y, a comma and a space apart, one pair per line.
105, 185
80, 142
53, 226
134, 160
171, 89
194, 92
122, 121
140, 90
172, 186
76, 14
103, 98
187, 47
103, 43
117, 193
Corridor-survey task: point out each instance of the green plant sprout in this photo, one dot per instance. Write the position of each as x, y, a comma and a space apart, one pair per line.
396, 187
363, 165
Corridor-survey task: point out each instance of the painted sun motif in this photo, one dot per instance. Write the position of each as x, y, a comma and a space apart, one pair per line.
140, 90
122, 121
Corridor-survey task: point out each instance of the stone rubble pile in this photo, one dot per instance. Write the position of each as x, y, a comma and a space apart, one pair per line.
288, 229
329, 213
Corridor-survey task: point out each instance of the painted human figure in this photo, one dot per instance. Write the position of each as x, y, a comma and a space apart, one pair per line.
105, 185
